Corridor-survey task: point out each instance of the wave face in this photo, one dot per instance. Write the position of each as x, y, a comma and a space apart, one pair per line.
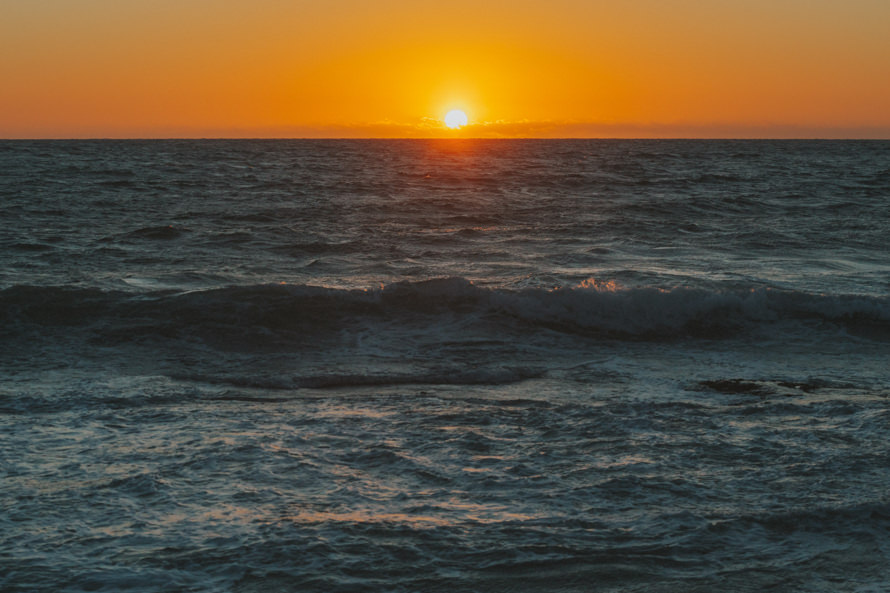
277, 310
444, 366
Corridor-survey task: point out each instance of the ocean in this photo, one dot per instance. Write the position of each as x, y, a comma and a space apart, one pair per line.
445, 365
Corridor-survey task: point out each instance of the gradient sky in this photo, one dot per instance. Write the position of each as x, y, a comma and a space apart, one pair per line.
393, 68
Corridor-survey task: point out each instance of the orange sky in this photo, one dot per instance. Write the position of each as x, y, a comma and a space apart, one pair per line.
393, 68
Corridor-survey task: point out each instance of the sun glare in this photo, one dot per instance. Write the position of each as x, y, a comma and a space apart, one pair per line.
456, 118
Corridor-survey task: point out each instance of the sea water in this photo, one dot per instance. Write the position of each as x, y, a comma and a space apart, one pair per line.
461, 365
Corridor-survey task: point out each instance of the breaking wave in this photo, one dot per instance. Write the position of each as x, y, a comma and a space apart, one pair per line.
590, 308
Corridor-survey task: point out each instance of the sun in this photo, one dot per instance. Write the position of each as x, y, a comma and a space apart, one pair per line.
456, 118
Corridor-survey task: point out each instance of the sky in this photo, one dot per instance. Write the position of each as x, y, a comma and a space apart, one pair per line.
394, 68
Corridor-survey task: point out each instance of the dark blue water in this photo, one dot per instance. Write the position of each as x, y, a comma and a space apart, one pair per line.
444, 365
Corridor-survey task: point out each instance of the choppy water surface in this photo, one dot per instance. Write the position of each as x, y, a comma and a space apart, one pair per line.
444, 365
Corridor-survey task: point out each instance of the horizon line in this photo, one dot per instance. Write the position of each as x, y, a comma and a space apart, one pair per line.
447, 138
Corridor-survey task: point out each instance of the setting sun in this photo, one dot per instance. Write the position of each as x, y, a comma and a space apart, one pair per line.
358, 69
456, 118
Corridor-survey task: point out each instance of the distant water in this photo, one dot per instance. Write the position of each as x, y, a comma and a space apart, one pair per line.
445, 366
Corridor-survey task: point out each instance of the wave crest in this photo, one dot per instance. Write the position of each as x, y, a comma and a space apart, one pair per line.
590, 308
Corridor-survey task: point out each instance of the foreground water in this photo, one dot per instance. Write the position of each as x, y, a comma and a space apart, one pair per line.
444, 365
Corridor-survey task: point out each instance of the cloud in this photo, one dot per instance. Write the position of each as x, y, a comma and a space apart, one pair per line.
427, 127
433, 128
